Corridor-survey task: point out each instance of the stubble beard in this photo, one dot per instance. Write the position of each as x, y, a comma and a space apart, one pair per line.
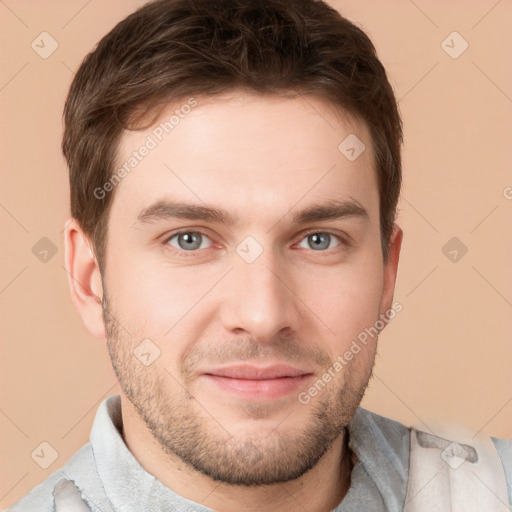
184, 428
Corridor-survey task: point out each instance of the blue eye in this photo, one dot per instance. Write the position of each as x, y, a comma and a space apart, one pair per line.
188, 240
320, 241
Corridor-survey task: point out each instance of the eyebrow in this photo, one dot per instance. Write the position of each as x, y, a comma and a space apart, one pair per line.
330, 210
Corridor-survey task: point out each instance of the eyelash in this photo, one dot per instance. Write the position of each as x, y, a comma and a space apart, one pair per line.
342, 245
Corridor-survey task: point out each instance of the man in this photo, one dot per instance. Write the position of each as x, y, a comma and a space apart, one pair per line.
235, 170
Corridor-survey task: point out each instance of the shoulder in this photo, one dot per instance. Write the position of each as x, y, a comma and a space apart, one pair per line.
504, 449
457, 458
40, 498
396, 436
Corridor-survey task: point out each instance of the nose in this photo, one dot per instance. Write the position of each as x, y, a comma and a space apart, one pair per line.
259, 300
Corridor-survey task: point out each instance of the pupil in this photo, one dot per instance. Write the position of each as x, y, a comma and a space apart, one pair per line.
321, 241
190, 239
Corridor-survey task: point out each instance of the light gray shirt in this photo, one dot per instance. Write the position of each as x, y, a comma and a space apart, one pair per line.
111, 480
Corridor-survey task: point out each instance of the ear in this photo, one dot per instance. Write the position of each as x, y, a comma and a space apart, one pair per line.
84, 278
391, 269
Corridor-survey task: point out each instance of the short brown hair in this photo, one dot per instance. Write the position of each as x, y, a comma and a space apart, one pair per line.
173, 49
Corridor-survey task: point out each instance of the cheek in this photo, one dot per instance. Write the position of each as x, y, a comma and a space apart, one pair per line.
154, 299
135, 292
347, 299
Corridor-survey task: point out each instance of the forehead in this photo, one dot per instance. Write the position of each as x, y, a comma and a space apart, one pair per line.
247, 153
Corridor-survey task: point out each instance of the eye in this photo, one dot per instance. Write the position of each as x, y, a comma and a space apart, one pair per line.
188, 241
320, 241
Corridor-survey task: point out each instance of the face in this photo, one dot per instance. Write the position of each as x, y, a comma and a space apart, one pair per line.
243, 257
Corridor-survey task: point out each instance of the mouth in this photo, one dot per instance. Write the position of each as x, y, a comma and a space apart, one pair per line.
252, 382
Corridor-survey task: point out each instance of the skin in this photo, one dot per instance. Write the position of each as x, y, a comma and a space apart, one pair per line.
263, 159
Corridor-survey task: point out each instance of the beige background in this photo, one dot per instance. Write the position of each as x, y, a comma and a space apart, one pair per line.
446, 356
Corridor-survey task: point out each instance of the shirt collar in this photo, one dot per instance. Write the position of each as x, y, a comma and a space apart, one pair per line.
381, 445
127, 484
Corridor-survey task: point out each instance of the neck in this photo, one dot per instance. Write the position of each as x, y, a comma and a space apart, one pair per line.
321, 489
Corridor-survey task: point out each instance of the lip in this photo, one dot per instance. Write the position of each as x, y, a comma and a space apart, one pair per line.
245, 371
258, 383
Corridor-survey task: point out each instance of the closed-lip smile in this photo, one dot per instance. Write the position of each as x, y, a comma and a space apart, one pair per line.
258, 382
